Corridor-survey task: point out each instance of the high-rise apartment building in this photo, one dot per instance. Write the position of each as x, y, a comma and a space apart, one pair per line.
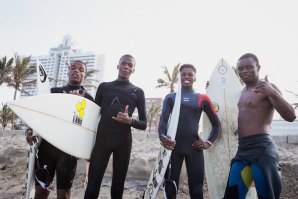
56, 65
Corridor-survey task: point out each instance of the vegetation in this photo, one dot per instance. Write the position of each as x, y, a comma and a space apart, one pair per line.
20, 73
5, 69
6, 116
170, 80
14, 73
152, 114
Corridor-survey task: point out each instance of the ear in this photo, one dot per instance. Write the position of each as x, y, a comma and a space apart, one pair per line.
259, 67
118, 66
195, 79
133, 70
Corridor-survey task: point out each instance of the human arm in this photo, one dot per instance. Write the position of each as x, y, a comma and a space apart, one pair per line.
167, 107
125, 117
142, 122
206, 105
275, 97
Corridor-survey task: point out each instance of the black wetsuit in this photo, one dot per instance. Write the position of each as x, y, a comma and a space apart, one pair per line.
113, 136
56, 160
192, 106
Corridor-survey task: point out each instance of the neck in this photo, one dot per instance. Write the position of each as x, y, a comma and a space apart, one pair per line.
188, 88
252, 84
72, 84
122, 79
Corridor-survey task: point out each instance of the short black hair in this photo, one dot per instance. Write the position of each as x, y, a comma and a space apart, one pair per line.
127, 55
78, 61
187, 66
250, 55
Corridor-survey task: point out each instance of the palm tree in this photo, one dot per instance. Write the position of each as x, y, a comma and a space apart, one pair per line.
5, 69
6, 116
171, 79
152, 114
20, 73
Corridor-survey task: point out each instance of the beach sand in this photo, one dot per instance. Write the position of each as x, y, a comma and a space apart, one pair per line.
13, 157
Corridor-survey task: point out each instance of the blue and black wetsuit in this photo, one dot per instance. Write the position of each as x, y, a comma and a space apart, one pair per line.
56, 160
192, 106
256, 161
113, 136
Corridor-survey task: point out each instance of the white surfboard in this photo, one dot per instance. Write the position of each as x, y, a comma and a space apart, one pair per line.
69, 122
164, 155
42, 87
224, 90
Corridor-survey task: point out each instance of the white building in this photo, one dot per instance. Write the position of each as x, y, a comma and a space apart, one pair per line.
56, 65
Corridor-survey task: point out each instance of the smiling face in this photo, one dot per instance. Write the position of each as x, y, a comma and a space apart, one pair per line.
76, 73
248, 70
188, 77
126, 67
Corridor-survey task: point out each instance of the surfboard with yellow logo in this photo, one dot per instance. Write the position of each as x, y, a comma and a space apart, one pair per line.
69, 122
224, 90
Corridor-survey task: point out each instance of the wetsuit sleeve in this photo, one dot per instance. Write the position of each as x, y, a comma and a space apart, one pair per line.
98, 95
89, 97
206, 105
142, 122
165, 114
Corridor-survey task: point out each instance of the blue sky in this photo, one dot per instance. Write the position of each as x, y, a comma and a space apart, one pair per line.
160, 32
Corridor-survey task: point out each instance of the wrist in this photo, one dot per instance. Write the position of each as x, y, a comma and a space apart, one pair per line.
130, 121
209, 143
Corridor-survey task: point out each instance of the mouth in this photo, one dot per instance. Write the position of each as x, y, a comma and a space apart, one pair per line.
186, 81
75, 76
244, 76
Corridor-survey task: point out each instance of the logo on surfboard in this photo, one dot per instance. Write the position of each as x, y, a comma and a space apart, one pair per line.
222, 69
79, 113
43, 74
216, 106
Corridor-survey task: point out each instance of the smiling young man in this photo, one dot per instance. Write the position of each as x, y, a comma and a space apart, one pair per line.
188, 145
257, 159
55, 160
118, 100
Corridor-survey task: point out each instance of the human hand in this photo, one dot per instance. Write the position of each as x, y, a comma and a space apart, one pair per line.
200, 144
264, 87
167, 142
123, 117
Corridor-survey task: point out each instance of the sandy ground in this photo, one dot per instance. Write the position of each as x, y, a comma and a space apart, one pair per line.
13, 157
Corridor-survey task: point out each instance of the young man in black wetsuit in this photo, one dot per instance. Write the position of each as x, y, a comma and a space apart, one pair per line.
56, 160
188, 145
118, 100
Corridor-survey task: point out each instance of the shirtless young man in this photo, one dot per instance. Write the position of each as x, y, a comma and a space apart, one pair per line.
257, 159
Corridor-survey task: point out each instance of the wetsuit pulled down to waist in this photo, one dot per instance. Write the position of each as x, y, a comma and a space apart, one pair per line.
256, 161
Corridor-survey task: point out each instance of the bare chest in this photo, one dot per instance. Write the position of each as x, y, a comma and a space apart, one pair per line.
251, 100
